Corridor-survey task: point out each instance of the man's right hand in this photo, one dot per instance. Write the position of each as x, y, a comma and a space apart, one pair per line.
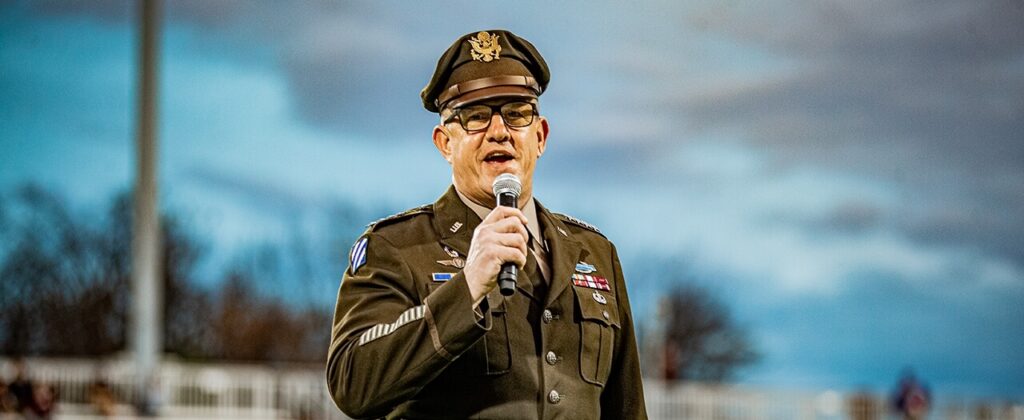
500, 238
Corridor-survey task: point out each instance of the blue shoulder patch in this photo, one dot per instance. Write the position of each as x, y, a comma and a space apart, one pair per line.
357, 257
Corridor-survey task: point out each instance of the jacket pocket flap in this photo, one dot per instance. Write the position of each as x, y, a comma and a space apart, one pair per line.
593, 309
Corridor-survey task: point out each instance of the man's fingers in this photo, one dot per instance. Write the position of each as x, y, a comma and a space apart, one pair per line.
512, 255
510, 225
500, 213
511, 240
503, 236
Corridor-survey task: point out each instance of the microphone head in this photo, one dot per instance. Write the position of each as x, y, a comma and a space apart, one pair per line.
507, 184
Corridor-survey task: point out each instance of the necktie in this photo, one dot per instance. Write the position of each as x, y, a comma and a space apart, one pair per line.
541, 255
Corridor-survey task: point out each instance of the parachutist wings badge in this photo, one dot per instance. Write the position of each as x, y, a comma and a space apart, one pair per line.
456, 261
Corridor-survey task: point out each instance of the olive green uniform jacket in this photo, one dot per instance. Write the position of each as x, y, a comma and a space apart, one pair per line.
406, 346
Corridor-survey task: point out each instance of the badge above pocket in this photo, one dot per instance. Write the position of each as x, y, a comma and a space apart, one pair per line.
598, 306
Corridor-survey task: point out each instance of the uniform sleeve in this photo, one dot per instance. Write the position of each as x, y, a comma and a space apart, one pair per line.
623, 395
386, 342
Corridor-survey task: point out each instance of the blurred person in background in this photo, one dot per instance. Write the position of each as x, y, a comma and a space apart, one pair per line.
44, 402
8, 402
421, 331
912, 399
22, 388
102, 398
26, 397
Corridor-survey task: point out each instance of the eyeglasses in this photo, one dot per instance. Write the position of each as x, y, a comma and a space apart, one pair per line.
478, 117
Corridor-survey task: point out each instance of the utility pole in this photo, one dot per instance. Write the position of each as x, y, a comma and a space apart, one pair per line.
147, 299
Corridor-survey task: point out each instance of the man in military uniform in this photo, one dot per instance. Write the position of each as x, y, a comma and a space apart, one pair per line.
421, 330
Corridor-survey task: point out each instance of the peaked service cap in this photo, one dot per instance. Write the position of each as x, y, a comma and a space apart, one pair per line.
484, 65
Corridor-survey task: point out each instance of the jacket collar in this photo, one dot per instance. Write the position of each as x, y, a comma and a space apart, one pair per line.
454, 221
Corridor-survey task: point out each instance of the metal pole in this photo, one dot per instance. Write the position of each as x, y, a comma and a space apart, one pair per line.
147, 293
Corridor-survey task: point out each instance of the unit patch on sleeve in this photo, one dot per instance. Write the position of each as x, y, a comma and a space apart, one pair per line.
357, 257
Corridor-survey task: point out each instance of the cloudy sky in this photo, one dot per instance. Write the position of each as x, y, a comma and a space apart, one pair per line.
847, 176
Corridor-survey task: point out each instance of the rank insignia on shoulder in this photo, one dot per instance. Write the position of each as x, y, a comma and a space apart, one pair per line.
582, 267
399, 216
357, 257
442, 277
589, 281
578, 222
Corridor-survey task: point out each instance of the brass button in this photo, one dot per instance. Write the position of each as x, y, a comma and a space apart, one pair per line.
554, 397
605, 313
548, 316
551, 357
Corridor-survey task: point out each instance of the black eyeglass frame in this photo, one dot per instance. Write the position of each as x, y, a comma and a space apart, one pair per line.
455, 115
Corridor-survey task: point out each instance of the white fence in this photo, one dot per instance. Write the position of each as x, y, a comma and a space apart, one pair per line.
189, 390
224, 391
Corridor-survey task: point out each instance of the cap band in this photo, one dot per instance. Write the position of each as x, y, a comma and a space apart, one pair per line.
466, 87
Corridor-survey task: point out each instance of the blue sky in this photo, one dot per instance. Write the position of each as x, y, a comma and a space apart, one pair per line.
846, 177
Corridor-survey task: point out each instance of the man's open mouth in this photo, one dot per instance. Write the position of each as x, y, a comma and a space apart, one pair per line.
498, 157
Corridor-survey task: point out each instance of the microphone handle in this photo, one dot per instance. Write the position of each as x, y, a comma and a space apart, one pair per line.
507, 279
509, 273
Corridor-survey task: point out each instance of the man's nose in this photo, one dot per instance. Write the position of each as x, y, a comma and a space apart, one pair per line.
498, 131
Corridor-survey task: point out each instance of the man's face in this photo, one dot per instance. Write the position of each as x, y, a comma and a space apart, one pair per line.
477, 157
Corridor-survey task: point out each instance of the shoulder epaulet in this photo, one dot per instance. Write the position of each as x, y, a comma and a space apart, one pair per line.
426, 208
578, 222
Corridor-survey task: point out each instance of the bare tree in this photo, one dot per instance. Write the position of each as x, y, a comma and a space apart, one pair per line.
60, 280
697, 339
64, 289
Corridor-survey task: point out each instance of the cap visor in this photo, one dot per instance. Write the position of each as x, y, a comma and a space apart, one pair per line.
491, 93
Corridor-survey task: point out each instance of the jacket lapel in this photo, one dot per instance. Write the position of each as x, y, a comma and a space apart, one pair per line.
565, 251
454, 221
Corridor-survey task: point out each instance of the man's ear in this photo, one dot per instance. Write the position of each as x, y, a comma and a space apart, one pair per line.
542, 136
442, 141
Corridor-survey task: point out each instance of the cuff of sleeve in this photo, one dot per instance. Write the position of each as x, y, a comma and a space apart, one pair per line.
454, 325
483, 314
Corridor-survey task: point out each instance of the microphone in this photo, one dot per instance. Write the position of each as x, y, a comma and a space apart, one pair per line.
506, 191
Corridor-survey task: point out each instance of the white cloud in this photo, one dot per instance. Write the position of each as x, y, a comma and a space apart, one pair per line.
766, 225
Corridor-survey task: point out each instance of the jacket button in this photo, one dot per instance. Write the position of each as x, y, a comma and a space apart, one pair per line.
548, 316
554, 397
552, 358
605, 313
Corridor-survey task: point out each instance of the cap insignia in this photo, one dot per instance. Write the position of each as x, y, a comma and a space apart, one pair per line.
485, 47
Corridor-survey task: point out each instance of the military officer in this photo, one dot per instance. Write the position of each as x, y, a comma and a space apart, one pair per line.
420, 328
